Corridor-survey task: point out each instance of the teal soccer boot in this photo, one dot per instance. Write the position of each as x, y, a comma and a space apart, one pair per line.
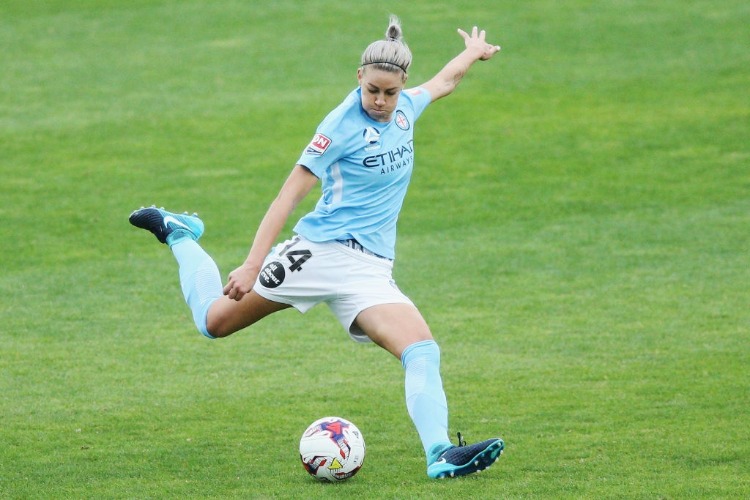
168, 228
453, 461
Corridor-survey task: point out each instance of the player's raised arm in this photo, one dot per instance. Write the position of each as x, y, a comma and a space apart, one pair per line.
477, 49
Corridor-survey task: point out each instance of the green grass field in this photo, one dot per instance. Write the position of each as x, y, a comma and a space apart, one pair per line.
577, 234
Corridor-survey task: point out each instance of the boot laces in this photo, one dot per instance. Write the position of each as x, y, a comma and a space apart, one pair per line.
461, 441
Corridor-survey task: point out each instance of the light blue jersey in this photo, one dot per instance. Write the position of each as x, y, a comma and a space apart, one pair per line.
365, 167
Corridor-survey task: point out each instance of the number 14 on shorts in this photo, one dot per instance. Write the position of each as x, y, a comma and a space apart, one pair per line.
274, 273
297, 258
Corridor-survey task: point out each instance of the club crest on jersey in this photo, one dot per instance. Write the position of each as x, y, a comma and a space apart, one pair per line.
318, 145
401, 121
372, 138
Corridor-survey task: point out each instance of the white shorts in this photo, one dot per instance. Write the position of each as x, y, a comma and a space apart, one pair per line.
303, 273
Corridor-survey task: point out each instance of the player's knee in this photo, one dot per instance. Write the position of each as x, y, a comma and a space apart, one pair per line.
211, 331
215, 328
202, 323
212, 325
207, 335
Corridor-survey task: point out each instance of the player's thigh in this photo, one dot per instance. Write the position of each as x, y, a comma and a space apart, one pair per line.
394, 327
226, 316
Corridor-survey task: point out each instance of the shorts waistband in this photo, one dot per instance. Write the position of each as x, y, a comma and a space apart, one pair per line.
356, 245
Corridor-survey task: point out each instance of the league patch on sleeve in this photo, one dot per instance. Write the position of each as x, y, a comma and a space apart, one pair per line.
318, 145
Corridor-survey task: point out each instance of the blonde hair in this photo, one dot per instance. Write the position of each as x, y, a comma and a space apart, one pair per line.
390, 54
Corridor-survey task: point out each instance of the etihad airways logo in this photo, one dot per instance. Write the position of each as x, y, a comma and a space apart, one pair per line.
392, 160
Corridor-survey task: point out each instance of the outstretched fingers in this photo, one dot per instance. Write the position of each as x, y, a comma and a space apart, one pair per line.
477, 41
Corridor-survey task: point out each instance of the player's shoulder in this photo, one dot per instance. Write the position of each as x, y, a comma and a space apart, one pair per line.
416, 94
416, 98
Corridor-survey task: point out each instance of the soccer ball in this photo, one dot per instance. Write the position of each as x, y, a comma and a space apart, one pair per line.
332, 449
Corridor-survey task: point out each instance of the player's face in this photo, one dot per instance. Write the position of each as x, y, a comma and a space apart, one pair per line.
380, 90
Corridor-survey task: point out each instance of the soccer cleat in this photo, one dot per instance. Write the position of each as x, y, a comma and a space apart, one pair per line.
461, 460
168, 228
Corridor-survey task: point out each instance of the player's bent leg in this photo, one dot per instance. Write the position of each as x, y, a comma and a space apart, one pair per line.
227, 316
199, 279
214, 314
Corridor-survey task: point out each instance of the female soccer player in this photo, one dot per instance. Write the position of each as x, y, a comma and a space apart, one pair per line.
342, 252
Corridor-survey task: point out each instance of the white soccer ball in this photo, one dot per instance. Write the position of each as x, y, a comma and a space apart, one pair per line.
332, 449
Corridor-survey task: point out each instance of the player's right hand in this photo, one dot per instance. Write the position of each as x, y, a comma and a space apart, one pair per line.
241, 281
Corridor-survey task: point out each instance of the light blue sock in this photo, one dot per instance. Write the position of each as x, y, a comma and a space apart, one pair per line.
199, 278
425, 398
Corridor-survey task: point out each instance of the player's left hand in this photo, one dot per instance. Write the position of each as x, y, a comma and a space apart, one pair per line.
476, 42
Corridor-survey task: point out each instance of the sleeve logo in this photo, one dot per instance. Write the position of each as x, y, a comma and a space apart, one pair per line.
318, 145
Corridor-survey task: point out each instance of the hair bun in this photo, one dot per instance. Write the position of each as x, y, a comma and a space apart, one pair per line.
394, 33
389, 54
